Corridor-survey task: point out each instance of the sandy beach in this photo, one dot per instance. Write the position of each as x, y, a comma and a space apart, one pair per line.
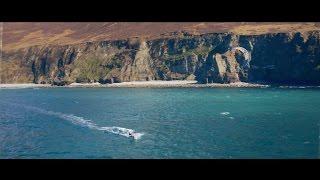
25, 85
182, 84
139, 84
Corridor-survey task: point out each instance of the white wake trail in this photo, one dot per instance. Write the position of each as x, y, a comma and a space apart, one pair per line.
87, 123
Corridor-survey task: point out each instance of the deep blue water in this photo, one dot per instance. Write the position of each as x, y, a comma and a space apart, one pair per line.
176, 123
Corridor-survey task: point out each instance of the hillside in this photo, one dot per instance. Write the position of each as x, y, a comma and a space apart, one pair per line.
22, 35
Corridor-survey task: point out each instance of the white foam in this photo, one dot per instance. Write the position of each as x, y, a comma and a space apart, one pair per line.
88, 123
121, 131
225, 113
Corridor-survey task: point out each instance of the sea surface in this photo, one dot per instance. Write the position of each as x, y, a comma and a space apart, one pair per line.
228, 123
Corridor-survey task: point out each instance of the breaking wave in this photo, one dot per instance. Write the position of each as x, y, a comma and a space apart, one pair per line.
225, 113
87, 123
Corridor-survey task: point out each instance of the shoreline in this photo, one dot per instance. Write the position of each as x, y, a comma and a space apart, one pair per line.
23, 85
148, 84
134, 84
182, 84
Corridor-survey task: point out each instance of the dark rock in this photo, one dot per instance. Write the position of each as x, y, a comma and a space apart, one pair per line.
281, 58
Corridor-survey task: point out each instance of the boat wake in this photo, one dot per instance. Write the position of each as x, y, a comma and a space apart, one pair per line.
88, 123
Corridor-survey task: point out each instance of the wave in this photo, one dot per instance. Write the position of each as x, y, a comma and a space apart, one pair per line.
87, 123
299, 87
225, 113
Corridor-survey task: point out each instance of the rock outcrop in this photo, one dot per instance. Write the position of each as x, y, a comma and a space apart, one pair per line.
280, 58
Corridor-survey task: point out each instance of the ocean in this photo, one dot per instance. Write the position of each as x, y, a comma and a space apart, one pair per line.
170, 123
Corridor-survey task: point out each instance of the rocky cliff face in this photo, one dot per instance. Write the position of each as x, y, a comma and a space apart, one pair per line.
283, 58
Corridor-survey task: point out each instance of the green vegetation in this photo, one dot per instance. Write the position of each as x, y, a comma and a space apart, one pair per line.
94, 69
90, 70
13, 72
200, 51
115, 62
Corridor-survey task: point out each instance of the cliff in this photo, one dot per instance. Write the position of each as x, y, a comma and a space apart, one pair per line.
275, 58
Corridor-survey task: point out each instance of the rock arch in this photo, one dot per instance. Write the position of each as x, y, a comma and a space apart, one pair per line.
246, 53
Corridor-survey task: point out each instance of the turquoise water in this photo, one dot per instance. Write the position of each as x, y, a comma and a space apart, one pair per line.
174, 123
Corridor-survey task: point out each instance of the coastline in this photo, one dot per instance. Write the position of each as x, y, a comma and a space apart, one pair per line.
151, 84
139, 84
23, 85
182, 84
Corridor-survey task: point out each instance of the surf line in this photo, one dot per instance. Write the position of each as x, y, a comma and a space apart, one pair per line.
86, 122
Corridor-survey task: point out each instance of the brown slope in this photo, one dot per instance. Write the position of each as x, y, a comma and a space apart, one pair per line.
26, 34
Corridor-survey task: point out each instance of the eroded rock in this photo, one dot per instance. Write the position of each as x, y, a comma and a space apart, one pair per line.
209, 58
